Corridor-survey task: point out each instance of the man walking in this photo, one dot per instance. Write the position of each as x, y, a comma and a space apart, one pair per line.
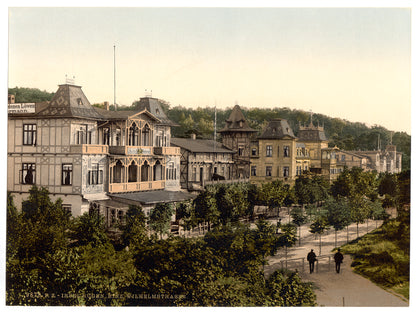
311, 259
338, 257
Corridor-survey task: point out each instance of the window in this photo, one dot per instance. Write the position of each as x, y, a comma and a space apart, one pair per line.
285, 151
254, 152
285, 172
95, 176
171, 171
194, 174
67, 208
106, 136
342, 157
298, 170
66, 174
240, 151
28, 173
29, 134
253, 171
268, 171
269, 151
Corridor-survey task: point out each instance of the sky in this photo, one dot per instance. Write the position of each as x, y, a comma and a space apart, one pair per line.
350, 63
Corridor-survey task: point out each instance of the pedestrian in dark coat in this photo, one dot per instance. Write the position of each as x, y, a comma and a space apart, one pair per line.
311, 259
338, 257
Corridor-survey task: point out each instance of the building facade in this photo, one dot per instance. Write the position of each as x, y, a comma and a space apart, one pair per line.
92, 158
203, 162
274, 154
236, 136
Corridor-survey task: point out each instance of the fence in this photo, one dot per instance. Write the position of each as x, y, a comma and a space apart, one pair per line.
323, 263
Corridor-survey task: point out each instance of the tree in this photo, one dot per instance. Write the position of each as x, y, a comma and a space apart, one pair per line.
134, 230
273, 194
288, 237
206, 209
185, 214
288, 290
360, 209
160, 218
89, 228
265, 239
338, 214
298, 218
319, 226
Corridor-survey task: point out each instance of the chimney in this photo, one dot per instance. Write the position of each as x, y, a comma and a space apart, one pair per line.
193, 136
107, 105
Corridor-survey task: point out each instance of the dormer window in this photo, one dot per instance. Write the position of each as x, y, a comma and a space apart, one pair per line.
79, 102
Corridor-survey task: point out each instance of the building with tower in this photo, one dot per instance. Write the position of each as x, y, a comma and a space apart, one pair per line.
236, 136
92, 158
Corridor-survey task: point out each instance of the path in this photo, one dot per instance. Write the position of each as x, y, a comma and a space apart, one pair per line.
346, 288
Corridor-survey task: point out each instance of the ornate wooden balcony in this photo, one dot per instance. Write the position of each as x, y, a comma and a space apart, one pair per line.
89, 149
131, 150
167, 150
136, 186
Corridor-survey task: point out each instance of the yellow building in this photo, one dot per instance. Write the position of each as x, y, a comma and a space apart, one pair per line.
274, 154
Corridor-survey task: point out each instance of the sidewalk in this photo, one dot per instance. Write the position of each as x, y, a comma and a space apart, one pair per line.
332, 289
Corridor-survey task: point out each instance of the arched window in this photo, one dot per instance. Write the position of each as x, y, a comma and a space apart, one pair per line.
145, 171
133, 172
133, 135
157, 171
146, 136
118, 172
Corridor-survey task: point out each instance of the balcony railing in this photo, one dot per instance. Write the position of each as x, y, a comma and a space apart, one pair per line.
136, 186
131, 150
89, 149
167, 150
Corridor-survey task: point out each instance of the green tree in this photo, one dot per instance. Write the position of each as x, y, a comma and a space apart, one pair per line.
160, 218
273, 194
265, 239
288, 290
319, 226
206, 209
89, 228
360, 209
185, 214
298, 218
24, 95
339, 215
288, 236
134, 230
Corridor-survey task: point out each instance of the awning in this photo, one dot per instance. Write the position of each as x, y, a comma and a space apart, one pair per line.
152, 197
96, 197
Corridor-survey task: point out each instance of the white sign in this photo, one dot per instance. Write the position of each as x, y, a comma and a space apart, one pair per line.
22, 108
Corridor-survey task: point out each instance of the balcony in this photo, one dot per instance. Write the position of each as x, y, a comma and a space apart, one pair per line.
131, 150
89, 149
167, 150
136, 186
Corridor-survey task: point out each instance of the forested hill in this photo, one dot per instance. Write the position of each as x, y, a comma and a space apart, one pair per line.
342, 133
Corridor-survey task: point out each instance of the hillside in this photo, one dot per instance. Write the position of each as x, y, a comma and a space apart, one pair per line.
341, 133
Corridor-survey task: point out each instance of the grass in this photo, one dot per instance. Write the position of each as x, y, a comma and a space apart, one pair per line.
383, 256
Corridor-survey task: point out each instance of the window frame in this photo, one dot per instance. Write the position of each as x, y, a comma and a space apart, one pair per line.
269, 170
95, 175
23, 173
66, 171
269, 150
29, 140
